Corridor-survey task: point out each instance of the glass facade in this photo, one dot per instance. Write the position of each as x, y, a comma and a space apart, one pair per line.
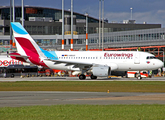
111, 39
127, 36
135, 35
55, 14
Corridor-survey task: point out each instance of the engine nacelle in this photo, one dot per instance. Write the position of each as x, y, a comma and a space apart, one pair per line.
101, 71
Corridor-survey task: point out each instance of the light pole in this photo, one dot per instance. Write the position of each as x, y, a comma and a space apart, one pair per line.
23, 13
10, 25
71, 25
62, 24
131, 12
102, 25
99, 23
86, 14
13, 20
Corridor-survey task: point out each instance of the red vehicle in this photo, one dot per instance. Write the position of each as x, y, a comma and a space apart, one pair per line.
45, 72
49, 72
41, 72
135, 74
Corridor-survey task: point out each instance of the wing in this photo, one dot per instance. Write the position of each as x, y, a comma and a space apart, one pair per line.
76, 64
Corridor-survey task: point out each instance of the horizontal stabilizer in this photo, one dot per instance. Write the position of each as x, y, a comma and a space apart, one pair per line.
14, 55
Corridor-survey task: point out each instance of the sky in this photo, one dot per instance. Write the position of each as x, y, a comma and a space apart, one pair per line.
150, 11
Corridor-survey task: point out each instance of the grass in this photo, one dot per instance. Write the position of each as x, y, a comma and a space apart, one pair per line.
89, 86
85, 112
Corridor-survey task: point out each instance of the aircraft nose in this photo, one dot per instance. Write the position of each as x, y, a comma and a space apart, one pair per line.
161, 64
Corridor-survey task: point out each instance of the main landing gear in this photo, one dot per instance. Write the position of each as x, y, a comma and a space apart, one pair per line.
82, 77
93, 77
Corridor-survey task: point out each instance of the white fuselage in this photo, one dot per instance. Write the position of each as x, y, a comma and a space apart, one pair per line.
117, 60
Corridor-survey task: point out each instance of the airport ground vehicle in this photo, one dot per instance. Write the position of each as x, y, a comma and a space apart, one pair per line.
18, 70
119, 73
29, 71
41, 72
45, 72
136, 73
49, 72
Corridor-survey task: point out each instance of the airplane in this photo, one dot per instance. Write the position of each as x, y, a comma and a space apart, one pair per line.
98, 63
6, 61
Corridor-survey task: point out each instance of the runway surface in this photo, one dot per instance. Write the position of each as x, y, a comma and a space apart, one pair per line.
32, 98
77, 79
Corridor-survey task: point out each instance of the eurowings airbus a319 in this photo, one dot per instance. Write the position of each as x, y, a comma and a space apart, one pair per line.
98, 63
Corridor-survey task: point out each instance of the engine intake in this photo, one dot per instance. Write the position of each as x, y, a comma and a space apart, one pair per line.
101, 71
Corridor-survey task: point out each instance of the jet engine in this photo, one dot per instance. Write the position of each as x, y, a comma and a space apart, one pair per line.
101, 71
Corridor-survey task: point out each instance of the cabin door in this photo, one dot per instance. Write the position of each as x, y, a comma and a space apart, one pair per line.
137, 58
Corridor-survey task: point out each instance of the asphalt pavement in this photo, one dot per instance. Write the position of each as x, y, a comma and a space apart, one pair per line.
32, 98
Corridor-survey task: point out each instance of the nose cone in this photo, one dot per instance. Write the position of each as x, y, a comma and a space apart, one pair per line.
160, 64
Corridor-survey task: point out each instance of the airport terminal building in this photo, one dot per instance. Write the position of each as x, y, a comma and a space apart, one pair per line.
45, 26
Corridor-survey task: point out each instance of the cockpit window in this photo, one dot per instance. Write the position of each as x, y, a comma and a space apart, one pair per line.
151, 57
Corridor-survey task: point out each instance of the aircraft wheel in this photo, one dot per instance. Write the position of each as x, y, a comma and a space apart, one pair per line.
82, 77
12, 75
139, 77
93, 77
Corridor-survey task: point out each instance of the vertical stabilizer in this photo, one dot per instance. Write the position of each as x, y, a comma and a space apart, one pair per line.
25, 44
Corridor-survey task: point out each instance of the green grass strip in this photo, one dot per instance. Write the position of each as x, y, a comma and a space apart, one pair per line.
84, 112
89, 86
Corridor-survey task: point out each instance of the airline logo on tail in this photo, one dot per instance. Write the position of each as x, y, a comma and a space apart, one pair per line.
26, 46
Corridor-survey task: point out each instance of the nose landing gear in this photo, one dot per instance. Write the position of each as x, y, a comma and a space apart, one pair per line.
138, 76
